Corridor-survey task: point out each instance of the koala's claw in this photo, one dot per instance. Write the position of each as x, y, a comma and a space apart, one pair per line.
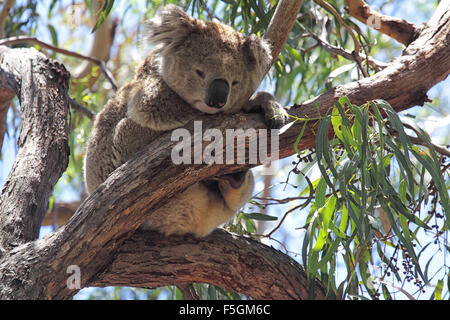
275, 116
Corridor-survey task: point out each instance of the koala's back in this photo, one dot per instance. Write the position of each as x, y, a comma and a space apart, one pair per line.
117, 134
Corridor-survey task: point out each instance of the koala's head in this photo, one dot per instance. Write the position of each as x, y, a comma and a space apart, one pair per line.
210, 65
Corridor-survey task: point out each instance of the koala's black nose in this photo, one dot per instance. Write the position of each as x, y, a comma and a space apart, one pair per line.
217, 93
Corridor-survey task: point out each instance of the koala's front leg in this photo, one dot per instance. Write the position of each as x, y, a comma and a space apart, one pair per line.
274, 114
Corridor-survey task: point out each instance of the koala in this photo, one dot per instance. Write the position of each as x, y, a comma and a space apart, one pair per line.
196, 67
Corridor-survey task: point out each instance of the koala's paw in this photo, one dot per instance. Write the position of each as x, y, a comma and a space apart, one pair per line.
274, 114
236, 180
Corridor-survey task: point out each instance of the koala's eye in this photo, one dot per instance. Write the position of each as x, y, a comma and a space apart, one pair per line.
235, 82
200, 73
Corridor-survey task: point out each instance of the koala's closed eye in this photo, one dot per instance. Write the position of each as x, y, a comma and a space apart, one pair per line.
200, 73
235, 82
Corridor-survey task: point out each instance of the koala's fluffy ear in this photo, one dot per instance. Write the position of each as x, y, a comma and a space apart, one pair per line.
170, 27
257, 52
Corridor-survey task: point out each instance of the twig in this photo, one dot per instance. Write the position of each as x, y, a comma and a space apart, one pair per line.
34, 40
268, 235
356, 57
347, 54
74, 104
281, 201
418, 140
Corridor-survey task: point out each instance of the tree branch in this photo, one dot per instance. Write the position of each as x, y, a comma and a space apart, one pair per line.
346, 53
281, 25
34, 40
398, 29
246, 266
43, 141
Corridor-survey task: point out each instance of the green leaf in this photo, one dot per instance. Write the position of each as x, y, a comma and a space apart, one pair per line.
405, 165
344, 220
397, 125
438, 291
50, 8
53, 34
438, 180
386, 294
402, 191
320, 193
103, 14
325, 215
323, 152
336, 122
259, 216
330, 253
299, 137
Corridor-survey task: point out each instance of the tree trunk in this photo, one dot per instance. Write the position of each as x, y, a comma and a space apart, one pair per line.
101, 237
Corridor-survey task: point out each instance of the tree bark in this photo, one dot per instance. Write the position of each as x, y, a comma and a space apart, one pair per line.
247, 266
398, 29
43, 141
101, 239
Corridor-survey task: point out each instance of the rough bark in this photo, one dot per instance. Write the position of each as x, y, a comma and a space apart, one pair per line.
100, 238
398, 29
43, 141
246, 266
281, 24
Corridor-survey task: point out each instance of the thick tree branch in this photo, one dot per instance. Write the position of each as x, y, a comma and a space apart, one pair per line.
102, 223
281, 25
246, 266
60, 214
43, 142
95, 238
398, 29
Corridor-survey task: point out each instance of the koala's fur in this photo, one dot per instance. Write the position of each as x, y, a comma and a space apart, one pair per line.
173, 86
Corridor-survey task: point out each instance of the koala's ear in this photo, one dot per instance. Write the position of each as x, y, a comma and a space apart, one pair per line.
257, 51
170, 27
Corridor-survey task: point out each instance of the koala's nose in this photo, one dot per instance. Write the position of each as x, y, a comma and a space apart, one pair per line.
218, 93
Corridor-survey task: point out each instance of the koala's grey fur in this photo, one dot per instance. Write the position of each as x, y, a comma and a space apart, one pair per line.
169, 90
